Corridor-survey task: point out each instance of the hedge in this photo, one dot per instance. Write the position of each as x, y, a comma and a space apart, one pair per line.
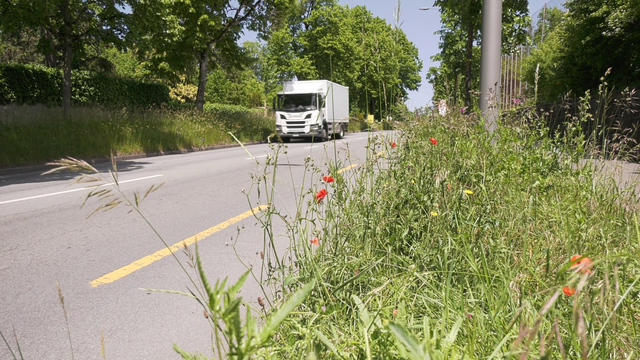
34, 84
226, 111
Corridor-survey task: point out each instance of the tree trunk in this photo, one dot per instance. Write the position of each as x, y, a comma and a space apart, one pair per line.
68, 58
265, 105
467, 79
50, 50
455, 91
203, 59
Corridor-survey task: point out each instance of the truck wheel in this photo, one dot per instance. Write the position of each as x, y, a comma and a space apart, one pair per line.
325, 135
340, 133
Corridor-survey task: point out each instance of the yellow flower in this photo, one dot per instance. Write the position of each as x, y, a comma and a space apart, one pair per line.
433, 213
468, 192
413, 182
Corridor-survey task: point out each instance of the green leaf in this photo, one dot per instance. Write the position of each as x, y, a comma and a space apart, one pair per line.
451, 337
327, 342
409, 340
233, 290
274, 321
362, 311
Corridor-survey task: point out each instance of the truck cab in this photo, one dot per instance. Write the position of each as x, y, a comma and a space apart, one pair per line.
303, 110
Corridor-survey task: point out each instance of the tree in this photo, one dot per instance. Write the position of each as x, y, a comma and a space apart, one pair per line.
68, 24
180, 33
548, 21
353, 48
460, 34
597, 35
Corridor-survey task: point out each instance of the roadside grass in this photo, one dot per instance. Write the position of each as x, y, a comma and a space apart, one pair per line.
447, 245
460, 249
37, 134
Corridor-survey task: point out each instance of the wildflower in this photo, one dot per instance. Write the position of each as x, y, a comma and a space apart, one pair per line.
315, 241
328, 179
433, 213
393, 145
434, 141
395, 312
584, 265
468, 192
448, 186
320, 195
323, 308
568, 291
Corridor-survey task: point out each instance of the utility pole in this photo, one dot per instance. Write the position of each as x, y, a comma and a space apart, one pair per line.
490, 62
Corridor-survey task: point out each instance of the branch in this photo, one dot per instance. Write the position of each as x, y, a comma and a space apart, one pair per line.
237, 19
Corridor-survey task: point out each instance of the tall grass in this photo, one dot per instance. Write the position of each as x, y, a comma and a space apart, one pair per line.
460, 249
37, 134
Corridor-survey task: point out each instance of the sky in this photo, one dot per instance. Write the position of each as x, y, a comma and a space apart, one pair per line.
420, 27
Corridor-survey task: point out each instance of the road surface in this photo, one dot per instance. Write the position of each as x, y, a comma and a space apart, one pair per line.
104, 262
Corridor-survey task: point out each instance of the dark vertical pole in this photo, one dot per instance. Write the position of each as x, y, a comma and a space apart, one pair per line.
490, 62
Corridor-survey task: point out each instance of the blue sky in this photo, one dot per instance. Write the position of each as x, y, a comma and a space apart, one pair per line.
420, 27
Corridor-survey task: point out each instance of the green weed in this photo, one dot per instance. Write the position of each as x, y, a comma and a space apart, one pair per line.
458, 249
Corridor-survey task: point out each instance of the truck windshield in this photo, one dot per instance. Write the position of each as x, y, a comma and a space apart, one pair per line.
296, 102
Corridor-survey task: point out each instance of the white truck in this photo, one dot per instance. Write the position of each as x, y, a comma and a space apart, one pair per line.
312, 109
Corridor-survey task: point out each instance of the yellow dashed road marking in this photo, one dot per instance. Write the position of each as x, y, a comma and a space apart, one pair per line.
149, 259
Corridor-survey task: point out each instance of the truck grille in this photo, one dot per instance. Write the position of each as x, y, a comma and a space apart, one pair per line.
295, 124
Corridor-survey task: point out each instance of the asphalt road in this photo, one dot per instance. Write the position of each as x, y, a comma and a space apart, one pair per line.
46, 238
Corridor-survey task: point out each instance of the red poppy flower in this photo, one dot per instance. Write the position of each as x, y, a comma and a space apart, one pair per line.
320, 195
393, 145
448, 186
434, 141
568, 291
315, 241
584, 265
328, 178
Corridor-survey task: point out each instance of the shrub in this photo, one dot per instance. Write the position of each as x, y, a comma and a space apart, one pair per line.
226, 111
34, 84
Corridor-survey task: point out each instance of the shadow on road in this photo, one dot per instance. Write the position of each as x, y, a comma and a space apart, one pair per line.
37, 177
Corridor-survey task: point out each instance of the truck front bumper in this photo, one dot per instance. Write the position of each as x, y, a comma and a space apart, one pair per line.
308, 132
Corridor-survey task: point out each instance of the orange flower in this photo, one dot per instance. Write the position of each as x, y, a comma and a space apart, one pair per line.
393, 145
448, 186
320, 195
568, 291
315, 241
584, 265
395, 312
434, 141
328, 178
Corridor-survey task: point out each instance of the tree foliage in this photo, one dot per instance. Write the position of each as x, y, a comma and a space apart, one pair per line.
65, 25
579, 47
460, 37
180, 34
351, 47
601, 34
